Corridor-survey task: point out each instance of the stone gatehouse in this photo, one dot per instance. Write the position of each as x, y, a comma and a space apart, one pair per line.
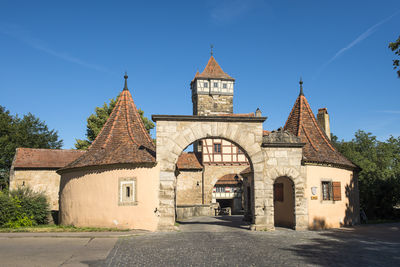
293, 176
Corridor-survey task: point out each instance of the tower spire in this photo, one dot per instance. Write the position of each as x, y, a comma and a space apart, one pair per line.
211, 47
301, 86
126, 81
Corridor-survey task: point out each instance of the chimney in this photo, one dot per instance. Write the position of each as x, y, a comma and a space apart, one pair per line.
258, 112
323, 121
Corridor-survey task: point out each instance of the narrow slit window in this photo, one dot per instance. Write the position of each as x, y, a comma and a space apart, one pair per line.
128, 191
217, 148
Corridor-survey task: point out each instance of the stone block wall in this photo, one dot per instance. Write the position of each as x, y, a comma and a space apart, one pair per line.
174, 135
47, 181
206, 105
285, 162
188, 211
189, 186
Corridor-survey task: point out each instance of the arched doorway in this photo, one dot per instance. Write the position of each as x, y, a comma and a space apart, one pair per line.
175, 132
284, 203
228, 194
209, 180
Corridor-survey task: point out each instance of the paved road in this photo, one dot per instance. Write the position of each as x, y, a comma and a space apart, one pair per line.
54, 251
224, 241
208, 241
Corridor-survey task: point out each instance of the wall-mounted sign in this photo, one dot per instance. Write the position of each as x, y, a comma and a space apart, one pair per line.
314, 197
314, 190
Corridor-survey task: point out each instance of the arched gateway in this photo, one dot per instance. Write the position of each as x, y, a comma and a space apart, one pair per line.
269, 159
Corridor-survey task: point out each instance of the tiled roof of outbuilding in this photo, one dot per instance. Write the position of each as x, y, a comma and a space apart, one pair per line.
41, 158
123, 138
213, 71
228, 179
251, 114
189, 161
318, 148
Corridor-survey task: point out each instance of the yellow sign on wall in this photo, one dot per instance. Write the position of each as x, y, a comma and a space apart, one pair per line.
314, 197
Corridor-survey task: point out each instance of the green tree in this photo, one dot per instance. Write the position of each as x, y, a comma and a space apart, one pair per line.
395, 46
379, 179
96, 121
26, 132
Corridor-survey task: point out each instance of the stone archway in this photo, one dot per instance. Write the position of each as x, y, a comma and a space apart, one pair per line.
175, 133
284, 202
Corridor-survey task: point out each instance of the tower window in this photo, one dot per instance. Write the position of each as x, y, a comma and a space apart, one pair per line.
215, 84
217, 148
206, 85
127, 191
224, 85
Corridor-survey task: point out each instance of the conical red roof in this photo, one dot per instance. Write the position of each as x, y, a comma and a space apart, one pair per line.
213, 71
318, 148
123, 138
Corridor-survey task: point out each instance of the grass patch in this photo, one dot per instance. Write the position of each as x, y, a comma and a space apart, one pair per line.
177, 224
58, 228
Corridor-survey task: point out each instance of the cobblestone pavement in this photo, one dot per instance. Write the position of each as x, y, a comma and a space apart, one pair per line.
225, 241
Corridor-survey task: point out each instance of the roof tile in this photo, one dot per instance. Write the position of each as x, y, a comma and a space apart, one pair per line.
123, 138
190, 161
318, 148
213, 71
44, 158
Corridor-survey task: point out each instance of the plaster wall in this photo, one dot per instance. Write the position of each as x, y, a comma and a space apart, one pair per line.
46, 181
90, 198
329, 213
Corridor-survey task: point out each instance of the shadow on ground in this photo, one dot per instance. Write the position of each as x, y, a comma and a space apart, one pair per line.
376, 245
234, 221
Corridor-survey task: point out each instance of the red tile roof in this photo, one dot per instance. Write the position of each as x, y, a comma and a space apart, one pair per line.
39, 158
251, 114
318, 148
190, 161
122, 140
228, 179
213, 71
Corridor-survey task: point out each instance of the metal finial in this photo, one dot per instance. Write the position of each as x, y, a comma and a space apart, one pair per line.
126, 81
211, 47
301, 86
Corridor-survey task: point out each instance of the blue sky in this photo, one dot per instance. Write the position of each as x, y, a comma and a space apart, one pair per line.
61, 59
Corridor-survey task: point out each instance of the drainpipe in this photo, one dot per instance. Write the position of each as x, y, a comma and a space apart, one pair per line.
202, 187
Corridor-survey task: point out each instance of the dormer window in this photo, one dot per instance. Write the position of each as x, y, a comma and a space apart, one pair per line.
224, 85
216, 85
205, 85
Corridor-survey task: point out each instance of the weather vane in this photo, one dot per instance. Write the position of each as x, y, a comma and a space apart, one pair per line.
212, 46
301, 86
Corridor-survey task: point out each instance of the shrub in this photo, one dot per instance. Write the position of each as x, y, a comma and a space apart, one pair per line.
33, 204
7, 208
23, 207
